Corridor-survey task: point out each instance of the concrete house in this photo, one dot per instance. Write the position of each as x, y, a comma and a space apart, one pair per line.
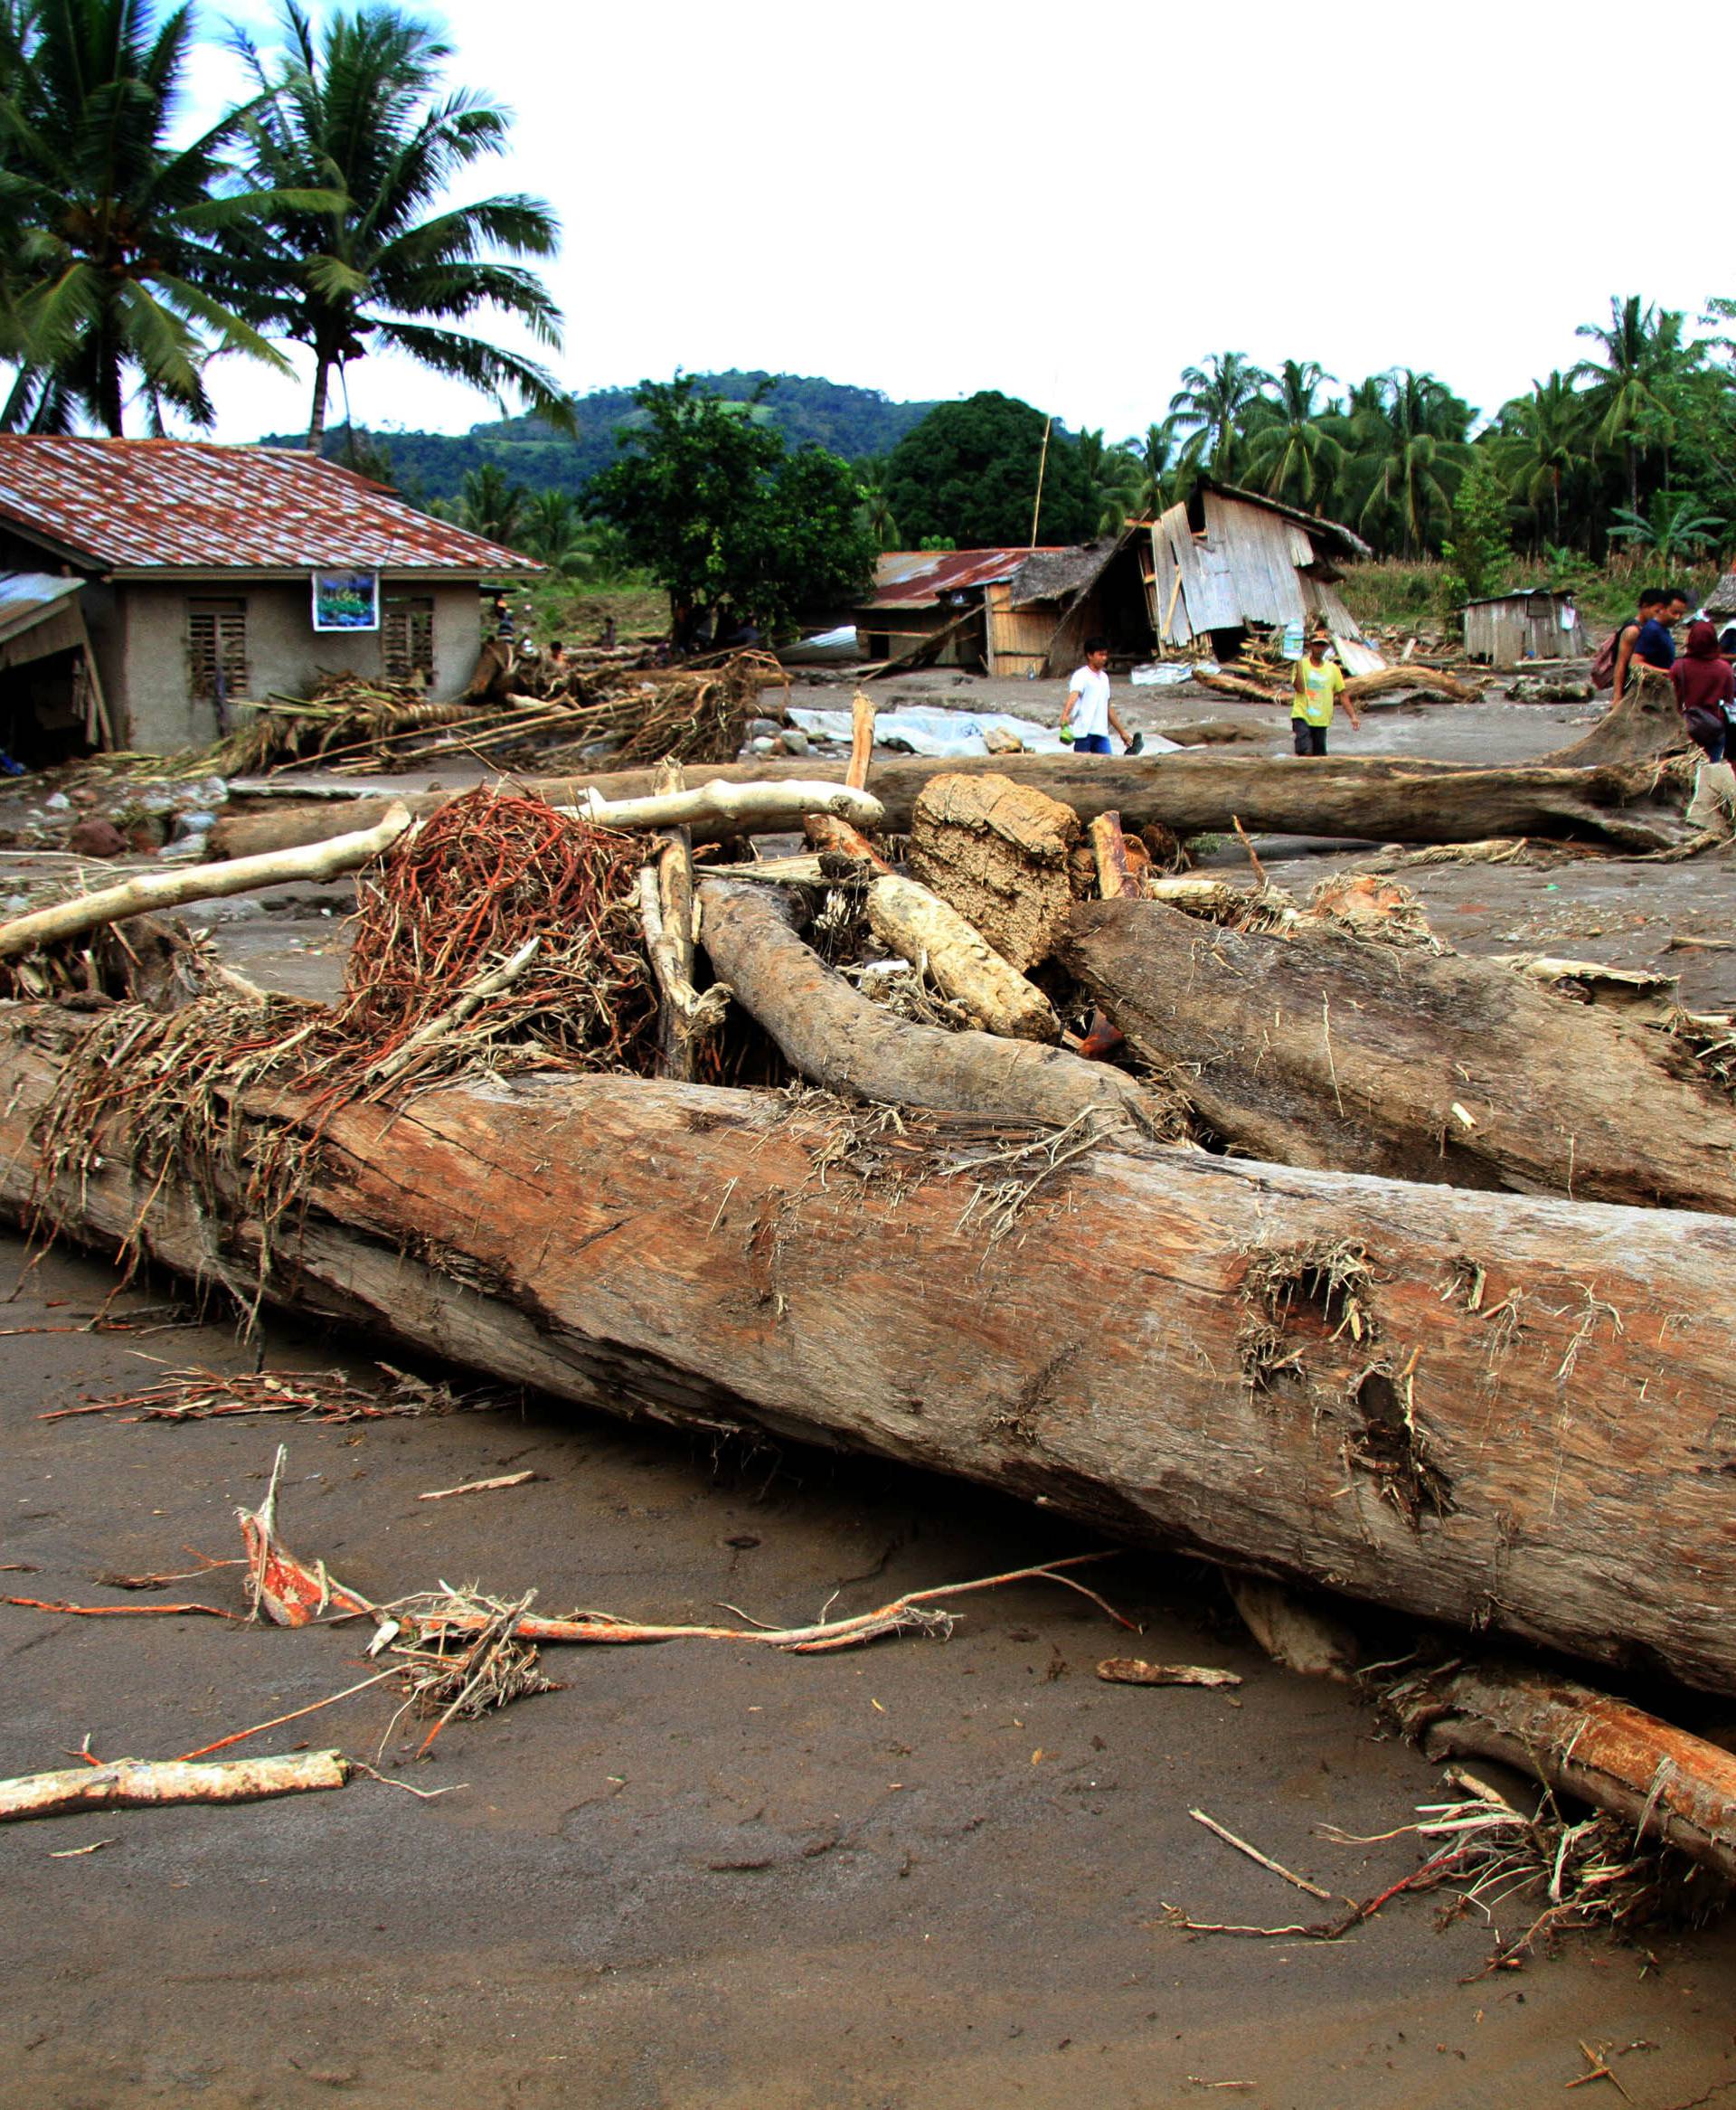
148, 584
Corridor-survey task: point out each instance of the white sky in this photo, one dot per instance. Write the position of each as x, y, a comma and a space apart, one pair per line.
1070, 204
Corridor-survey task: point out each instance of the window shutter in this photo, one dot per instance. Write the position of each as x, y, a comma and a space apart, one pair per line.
217, 649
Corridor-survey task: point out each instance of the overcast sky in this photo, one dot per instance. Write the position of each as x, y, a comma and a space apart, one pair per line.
1071, 204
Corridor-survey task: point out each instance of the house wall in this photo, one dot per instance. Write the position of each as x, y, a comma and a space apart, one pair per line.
142, 650
1506, 633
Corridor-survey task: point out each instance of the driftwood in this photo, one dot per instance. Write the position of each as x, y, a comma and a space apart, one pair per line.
1644, 726
1321, 1050
919, 927
826, 831
1114, 877
1370, 798
162, 890
999, 853
687, 1017
834, 1035
1661, 1780
143, 1783
742, 807
1491, 1410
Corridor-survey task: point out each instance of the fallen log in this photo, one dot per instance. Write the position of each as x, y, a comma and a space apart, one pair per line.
921, 928
1326, 1051
1646, 725
145, 1784
1494, 1411
1369, 797
836, 1036
1660, 1779
160, 890
753, 807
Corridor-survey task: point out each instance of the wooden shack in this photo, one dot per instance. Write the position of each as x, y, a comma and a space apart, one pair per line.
1226, 563
1505, 630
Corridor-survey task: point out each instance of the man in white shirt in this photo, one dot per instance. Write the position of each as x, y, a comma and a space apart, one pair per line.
1087, 709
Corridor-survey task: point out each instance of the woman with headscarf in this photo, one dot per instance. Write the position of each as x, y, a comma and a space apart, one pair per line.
1705, 686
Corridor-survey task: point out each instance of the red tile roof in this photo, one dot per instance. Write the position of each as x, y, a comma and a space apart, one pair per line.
191, 505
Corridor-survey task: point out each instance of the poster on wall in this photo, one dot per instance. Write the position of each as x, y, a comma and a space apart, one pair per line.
347, 600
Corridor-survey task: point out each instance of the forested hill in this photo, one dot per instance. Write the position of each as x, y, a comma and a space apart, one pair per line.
849, 422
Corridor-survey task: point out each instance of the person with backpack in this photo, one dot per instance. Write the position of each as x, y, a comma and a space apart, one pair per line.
1646, 638
1705, 688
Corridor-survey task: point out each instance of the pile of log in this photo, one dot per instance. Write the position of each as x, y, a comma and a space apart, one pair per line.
1361, 1265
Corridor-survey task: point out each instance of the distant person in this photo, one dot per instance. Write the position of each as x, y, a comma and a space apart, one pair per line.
607, 638
557, 655
1087, 710
1620, 647
1316, 686
1705, 690
504, 627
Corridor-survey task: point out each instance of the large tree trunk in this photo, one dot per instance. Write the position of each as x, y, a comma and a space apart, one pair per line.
1328, 1051
833, 1034
1190, 794
1488, 1409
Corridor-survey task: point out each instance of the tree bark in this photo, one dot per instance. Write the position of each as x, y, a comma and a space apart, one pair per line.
1369, 797
1331, 1051
1659, 1779
1490, 1410
1641, 726
834, 1035
145, 1784
919, 926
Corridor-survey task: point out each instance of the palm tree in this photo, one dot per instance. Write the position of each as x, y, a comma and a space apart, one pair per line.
1642, 351
1411, 432
114, 269
548, 527
1291, 455
877, 511
491, 505
1210, 403
1545, 442
358, 110
1158, 477
1113, 479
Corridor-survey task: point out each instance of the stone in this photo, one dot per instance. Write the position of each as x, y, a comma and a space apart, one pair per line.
95, 837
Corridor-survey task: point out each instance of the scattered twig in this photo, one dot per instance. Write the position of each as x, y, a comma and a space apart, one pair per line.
1133, 1670
478, 1486
1254, 1854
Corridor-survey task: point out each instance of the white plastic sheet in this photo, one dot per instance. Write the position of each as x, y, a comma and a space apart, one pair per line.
947, 735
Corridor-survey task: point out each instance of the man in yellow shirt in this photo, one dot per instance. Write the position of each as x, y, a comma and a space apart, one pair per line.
1319, 684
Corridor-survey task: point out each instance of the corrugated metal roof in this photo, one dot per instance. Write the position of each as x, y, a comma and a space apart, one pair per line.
1520, 594
26, 597
919, 578
191, 505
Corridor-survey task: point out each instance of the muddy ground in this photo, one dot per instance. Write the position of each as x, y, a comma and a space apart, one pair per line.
925, 1875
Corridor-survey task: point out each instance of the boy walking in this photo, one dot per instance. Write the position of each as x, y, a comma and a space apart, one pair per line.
1317, 685
1087, 709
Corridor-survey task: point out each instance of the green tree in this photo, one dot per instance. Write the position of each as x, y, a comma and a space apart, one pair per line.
1627, 387
877, 518
492, 505
1290, 454
1159, 477
552, 530
1211, 406
1410, 433
1544, 448
1673, 530
116, 277
727, 520
358, 110
968, 474
1480, 547
1114, 480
